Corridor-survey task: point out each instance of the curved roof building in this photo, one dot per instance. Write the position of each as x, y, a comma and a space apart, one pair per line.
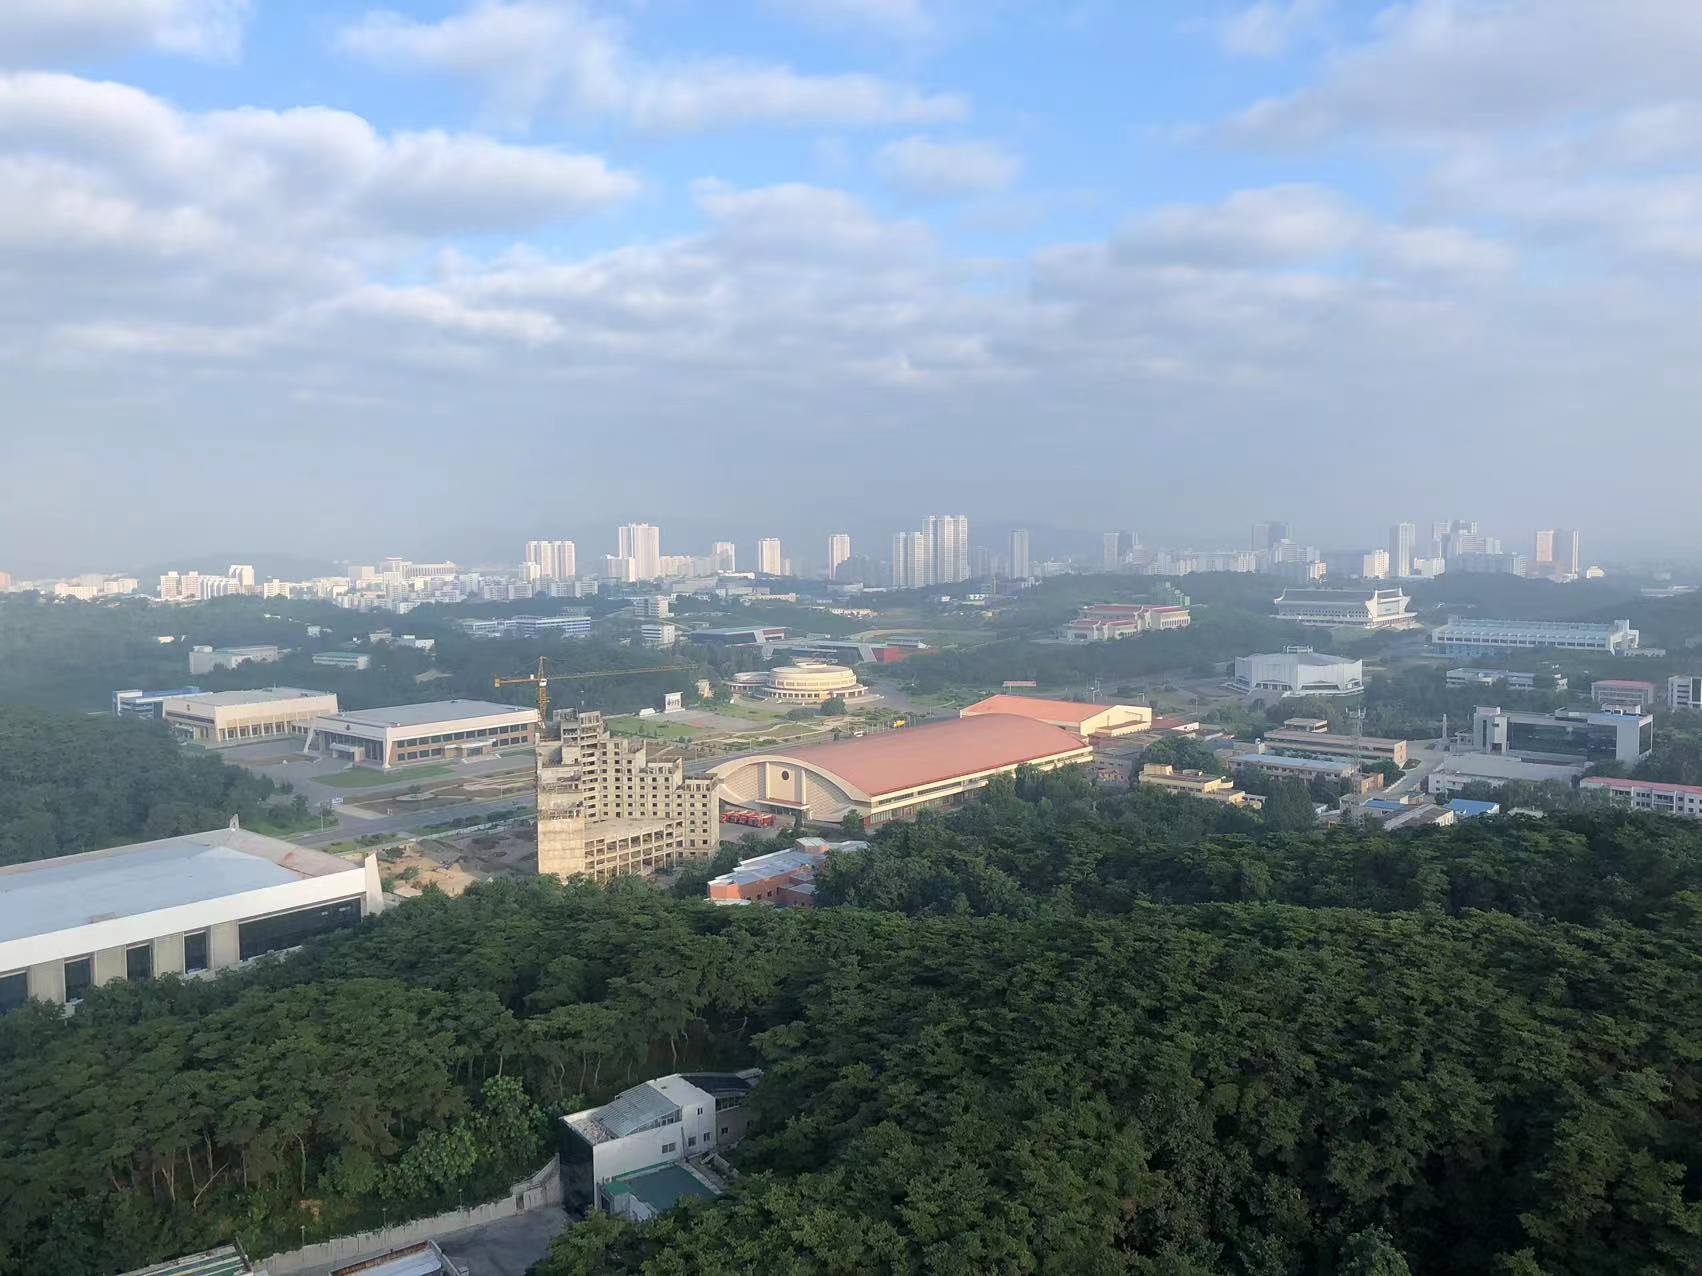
808, 682
891, 774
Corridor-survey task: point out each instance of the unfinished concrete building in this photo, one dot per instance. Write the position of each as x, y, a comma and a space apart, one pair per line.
605, 809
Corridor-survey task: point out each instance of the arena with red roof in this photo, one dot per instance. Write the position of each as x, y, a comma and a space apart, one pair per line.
1086, 720
895, 773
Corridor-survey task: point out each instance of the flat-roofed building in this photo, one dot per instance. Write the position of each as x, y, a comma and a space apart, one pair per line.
343, 659
404, 733
1511, 679
1565, 735
1647, 795
1282, 766
1200, 784
1459, 771
896, 773
1299, 671
1329, 744
1473, 636
1684, 691
1089, 721
606, 810
738, 635
1346, 608
1103, 622
785, 878
133, 702
1623, 693
206, 659
179, 905
220, 719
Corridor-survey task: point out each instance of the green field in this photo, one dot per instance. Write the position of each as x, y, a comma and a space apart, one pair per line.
650, 729
364, 777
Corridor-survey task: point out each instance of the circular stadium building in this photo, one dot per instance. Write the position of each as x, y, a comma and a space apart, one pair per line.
809, 682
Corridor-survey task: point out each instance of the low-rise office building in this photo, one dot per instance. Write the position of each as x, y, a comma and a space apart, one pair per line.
1647, 795
1282, 766
404, 733
1472, 636
526, 627
1511, 679
809, 682
1104, 622
896, 773
220, 719
1299, 671
207, 659
658, 633
1623, 694
1565, 735
1308, 743
1200, 784
1089, 721
1684, 691
342, 659
1459, 771
133, 702
1364, 608
647, 1148
785, 878
180, 905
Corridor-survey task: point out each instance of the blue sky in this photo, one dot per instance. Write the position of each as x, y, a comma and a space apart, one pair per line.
1169, 266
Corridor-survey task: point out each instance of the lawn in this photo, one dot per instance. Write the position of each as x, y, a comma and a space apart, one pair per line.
650, 729
365, 777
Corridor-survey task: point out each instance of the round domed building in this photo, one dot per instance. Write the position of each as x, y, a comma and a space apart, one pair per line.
809, 682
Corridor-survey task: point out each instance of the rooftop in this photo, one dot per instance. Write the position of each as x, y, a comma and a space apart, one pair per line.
1277, 761
255, 695
1314, 659
1627, 786
419, 715
1039, 708
939, 751
43, 896
1360, 593
661, 1187
627, 1113
227, 1260
1496, 766
762, 867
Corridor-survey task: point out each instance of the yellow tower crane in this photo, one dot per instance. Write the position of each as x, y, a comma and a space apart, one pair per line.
543, 677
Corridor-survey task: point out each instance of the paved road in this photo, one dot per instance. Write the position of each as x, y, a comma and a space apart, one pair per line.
413, 821
1429, 754
507, 1247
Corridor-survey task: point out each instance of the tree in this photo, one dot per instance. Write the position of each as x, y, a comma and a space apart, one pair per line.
851, 824
833, 706
1288, 807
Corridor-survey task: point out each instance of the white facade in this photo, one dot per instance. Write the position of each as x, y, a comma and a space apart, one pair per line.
725, 555
555, 560
1645, 795
1346, 608
658, 633
838, 550
910, 564
642, 543
768, 557
1020, 569
218, 719
407, 733
179, 905
1461, 770
1684, 691
1468, 636
947, 537
1402, 538
342, 659
1298, 673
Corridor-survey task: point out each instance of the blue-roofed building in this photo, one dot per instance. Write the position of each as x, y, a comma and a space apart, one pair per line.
613, 1157
133, 702
1467, 809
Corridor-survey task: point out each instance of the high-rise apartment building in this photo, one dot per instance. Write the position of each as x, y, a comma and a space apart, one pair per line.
1019, 555
1111, 551
726, 559
1403, 538
948, 548
838, 550
1568, 552
605, 809
910, 560
768, 557
642, 543
1266, 535
555, 560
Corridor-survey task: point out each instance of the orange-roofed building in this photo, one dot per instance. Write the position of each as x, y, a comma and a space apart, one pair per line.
885, 776
1086, 720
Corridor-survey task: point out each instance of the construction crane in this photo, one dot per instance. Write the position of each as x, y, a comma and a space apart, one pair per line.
543, 677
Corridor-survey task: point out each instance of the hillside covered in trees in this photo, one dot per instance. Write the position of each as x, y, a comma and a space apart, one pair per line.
1056, 1031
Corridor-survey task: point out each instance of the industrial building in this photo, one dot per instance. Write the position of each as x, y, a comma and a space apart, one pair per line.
1460, 771
809, 682
1469, 636
133, 702
1200, 784
605, 809
886, 776
652, 1146
1647, 795
1684, 691
399, 734
785, 878
1365, 608
1312, 742
1089, 721
1511, 679
1298, 671
220, 719
1623, 694
186, 905
207, 659
1566, 735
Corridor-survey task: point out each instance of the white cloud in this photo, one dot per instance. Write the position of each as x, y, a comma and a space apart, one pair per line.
1267, 29
925, 168
32, 31
530, 55
1275, 224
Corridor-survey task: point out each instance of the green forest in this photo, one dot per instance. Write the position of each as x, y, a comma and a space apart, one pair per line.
1057, 1030
72, 783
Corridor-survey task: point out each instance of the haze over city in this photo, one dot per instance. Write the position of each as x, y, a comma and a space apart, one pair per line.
400, 278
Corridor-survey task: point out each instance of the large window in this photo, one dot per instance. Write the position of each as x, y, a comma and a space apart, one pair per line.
194, 951
79, 977
139, 962
14, 990
289, 930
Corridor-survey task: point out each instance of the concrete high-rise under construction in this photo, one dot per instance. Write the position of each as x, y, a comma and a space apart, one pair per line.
606, 810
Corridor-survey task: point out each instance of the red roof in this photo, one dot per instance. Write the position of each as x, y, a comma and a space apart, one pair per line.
1037, 707
938, 751
1653, 786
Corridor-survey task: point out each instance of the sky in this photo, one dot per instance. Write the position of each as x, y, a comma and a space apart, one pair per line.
334, 278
